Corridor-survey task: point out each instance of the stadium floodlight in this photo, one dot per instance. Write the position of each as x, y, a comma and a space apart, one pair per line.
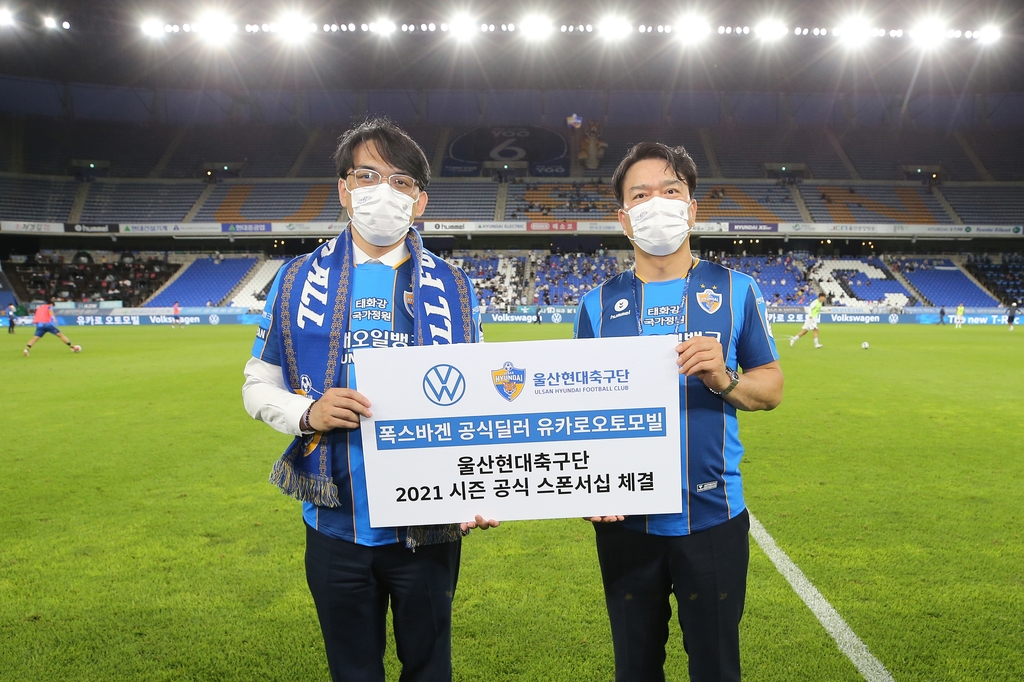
66, 25
293, 28
6, 17
50, 22
854, 32
928, 34
536, 27
383, 27
988, 34
692, 29
216, 29
153, 28
462, 27
614, 28
770, 30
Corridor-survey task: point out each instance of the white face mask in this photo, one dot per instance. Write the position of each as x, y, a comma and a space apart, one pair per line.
380, 214
660, 225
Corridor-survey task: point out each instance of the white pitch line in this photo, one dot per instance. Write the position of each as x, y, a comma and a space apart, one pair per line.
847, 640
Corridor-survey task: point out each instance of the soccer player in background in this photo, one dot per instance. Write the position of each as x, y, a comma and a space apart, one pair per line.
960, 318
719, 317
1011, 314
176, 312
12, 314
44, 319
373, 285
811, 321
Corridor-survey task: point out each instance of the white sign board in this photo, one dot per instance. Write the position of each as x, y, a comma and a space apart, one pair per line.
524, 430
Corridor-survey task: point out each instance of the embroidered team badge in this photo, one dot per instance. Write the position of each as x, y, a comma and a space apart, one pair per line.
509, 381
709, 301
407, 297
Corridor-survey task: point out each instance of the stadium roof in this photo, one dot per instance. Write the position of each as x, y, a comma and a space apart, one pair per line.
733, 45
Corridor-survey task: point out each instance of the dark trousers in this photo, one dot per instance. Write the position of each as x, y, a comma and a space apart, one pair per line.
707, 571
352, 586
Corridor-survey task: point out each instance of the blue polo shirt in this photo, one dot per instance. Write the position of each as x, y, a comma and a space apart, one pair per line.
719, 302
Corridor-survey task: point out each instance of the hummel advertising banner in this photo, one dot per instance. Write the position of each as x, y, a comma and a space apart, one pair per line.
91, 228
524, 430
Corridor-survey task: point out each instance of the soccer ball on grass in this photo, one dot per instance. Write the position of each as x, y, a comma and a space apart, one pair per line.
76, 348
865, 345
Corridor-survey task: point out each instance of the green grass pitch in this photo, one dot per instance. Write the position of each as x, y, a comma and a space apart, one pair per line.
140, 540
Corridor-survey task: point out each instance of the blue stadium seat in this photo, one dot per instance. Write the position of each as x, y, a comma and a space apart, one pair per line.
204, 280
943, 283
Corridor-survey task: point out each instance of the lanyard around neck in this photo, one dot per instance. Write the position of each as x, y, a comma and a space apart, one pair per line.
680, 316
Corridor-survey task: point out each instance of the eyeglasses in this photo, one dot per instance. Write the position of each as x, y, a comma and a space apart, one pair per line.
366, 177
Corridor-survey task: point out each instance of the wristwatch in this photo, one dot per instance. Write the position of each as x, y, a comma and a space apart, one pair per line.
734, 375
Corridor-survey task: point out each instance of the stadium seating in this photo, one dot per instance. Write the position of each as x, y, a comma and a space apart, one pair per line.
131, 150
986, 205
266, 201
999, 152
267, 151
36, 199
563, 279
1005, 278
742, 152
497, 278
763, 202
588, 200
140, 201
909, 203
943, 283
87, 278
855, 281
252, 295
781, 281
7, 294
461, 200
879, 153
204, 280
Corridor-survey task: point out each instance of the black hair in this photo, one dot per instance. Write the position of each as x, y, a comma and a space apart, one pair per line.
676, 157
394, 145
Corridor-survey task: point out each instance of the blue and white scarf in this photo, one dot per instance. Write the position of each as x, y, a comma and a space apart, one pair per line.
312, 329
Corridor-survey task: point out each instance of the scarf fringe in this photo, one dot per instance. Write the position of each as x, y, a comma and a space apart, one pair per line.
418, 536
304, 486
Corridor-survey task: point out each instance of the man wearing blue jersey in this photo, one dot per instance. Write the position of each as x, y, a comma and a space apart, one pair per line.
372, 286
701, 554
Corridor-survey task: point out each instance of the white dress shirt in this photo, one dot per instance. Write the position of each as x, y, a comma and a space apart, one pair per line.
266, 395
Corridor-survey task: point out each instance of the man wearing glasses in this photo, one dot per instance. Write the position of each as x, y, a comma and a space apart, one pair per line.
372, 286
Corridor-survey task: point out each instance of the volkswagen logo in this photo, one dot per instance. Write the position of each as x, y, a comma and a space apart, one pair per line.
214, 319
556, 317
444, 385
894, 318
